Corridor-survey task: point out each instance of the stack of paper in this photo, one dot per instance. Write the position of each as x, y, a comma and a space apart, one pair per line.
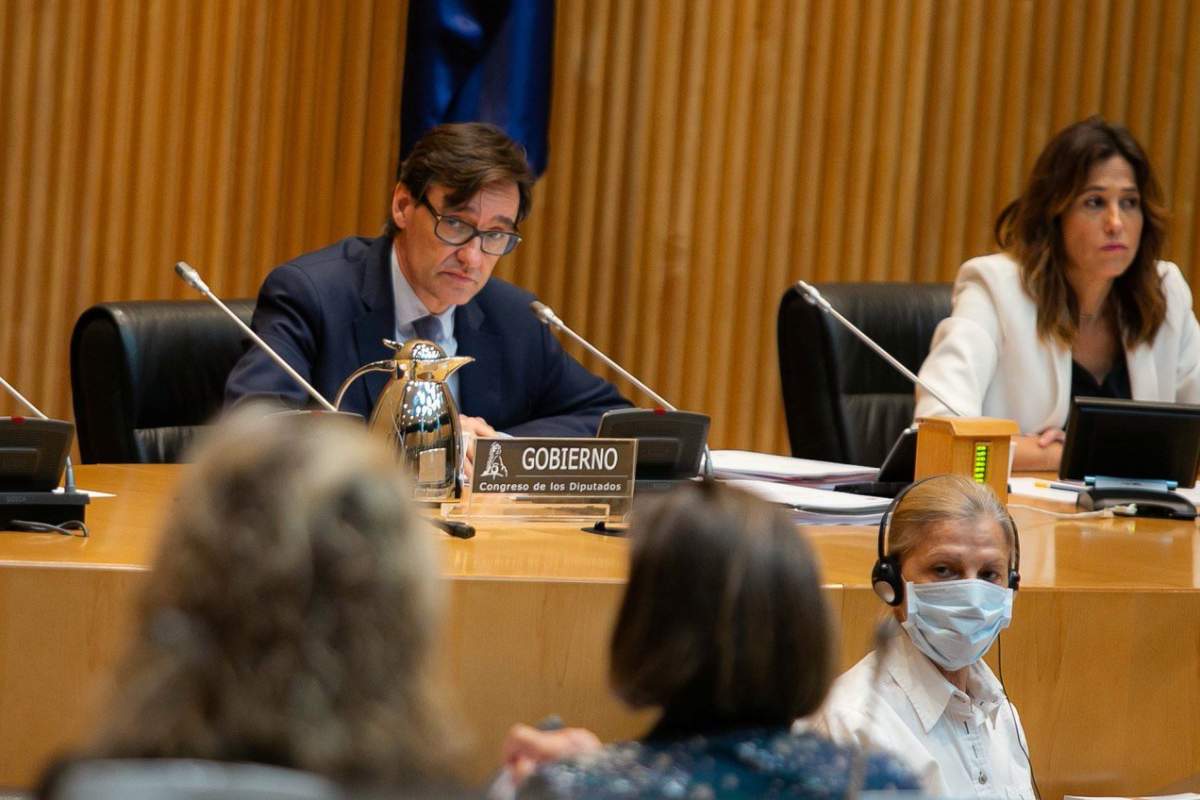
818, 506
735, 464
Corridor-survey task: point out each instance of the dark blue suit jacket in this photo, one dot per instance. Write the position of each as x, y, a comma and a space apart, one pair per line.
328, 312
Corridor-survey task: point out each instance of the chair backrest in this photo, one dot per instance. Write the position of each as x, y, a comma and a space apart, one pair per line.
843, 402
185, 779
146, 374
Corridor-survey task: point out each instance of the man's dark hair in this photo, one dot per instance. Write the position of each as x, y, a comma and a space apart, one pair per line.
723, 622
465, 157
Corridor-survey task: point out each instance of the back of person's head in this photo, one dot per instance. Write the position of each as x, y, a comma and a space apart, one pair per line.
945, 499
290, 613
465, 157
723, 622
1030, 230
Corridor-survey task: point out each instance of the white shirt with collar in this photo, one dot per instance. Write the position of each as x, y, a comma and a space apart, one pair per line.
958, 744
409, 309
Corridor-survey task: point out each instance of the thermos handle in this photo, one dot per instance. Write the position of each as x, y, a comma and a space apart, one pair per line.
388, 365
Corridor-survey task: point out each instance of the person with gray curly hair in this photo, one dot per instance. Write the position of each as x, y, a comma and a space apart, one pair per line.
290, 615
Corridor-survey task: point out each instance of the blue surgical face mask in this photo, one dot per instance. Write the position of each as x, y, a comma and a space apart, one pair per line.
955, 622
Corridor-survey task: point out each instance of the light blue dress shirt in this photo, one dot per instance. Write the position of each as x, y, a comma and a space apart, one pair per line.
409, 309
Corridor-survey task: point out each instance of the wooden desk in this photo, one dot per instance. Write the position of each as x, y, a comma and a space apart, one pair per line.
1102, 660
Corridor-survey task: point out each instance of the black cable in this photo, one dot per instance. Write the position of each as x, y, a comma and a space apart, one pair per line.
71, 527
1016, 728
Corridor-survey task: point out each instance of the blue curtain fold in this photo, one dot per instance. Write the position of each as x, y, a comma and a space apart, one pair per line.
479, 60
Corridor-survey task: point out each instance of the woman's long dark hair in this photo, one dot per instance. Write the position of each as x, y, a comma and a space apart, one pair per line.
1030, 230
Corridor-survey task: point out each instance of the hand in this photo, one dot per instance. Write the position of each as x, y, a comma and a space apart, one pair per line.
1050, 436
473, 428
526, 748
1040, 452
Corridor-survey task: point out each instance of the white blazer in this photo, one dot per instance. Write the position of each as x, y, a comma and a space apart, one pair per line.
988, 360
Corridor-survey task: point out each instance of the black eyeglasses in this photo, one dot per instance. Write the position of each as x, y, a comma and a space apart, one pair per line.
456, 231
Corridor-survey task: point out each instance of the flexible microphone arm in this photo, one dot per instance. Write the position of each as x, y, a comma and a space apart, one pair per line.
69, 473
543, 312
814, 297
548, 317
192, 278
20, 398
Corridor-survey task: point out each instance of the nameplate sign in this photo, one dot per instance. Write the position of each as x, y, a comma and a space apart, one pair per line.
558, 467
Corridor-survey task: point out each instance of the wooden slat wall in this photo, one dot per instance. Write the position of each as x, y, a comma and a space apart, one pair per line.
133, 133
705, 153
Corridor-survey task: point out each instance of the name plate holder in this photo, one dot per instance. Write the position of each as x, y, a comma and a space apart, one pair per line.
556, 479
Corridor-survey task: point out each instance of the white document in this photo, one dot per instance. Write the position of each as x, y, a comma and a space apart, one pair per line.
1192, 494
88, 492
1028, 487
745, 464
818, 506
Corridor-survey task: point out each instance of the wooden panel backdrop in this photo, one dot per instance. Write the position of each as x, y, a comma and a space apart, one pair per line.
705, 153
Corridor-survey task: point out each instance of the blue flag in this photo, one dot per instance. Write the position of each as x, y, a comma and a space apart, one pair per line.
479, 60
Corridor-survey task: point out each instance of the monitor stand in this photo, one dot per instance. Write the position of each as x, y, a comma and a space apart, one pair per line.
897, 470
1152, 498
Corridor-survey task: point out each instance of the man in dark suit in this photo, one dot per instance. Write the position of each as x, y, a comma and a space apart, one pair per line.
462, 192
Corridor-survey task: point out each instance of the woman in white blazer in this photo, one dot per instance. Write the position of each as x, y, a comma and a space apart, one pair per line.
1077, 304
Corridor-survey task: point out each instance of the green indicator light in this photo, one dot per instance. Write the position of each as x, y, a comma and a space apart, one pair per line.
981, 463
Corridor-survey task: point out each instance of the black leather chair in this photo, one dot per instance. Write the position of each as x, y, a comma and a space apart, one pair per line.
843, 402
145, 374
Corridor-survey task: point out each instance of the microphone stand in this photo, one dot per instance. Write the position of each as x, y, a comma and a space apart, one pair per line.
460, 530
192, 278
817, 299
544, 313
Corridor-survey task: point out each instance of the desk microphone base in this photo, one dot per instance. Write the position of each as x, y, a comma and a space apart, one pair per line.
1150, 502
52, 508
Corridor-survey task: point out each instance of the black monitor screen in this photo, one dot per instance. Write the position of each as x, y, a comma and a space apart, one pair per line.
1132, 439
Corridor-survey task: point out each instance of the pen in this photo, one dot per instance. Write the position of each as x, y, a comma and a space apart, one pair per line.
459, 530
1065, 487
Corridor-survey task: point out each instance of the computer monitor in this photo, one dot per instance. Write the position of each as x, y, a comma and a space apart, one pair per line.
1132, 439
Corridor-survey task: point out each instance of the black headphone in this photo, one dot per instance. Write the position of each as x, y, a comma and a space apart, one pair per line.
885, 577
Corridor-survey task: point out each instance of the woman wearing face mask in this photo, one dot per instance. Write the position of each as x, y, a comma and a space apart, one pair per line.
1078, 302
948, 567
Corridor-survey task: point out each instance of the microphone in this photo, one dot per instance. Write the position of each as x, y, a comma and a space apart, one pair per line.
544, 313
814, 297
69, 470
193, 279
